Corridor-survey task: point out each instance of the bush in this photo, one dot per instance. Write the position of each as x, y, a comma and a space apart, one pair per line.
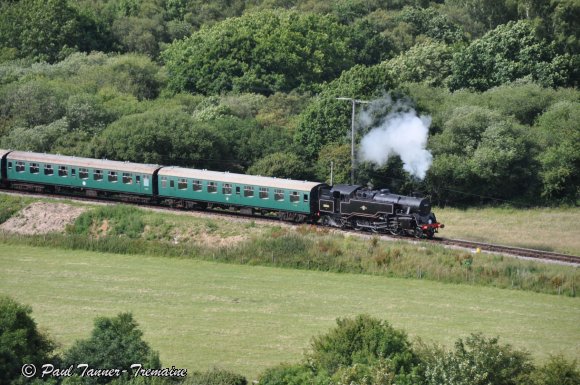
362, 340
478, 361
120, 220
215, 377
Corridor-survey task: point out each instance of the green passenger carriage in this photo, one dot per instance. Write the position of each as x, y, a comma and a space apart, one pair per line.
28, 169
291, 199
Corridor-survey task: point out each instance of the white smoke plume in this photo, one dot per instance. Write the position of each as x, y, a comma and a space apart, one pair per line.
401, 132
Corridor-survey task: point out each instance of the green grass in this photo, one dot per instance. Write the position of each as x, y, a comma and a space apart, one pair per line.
246, 318
552, 229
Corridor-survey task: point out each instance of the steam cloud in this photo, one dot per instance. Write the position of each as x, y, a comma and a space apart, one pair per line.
401, 132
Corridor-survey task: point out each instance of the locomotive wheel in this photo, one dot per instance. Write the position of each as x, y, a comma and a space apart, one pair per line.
430, 233
418, 232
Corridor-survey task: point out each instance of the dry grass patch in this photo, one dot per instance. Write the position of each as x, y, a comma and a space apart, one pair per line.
552, 229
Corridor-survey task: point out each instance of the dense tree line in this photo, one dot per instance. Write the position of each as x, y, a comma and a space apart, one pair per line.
361, 350
251, 86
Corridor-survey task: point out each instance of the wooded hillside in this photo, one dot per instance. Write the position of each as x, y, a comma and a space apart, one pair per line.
251, 86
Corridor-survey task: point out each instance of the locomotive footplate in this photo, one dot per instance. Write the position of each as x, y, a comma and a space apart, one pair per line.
365, 208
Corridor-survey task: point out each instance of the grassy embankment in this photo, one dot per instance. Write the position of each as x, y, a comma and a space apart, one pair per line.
128, 230
202, 314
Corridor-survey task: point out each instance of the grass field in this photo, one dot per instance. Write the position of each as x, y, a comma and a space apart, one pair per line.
246, 318
552, 229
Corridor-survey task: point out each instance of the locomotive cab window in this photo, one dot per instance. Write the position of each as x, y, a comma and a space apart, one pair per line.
279, 195
212, 187
197, 186
48, 170
84, 173
34, 168
294, 197
62, 171
9, 165
227, 189
248, 191
264, 193
98, 175
20, 167
305, 198
113, 177
127, 178
182, 184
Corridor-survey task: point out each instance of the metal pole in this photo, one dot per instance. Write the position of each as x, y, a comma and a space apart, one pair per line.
331, 173
352, 135
352, 160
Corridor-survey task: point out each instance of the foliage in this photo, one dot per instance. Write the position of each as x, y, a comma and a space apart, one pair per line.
162, 137
44, 30
557, 371
259, 52
215, 377
115, 342
280, 165
559, 128
363, 340
427, 62
507, 53
120, 220
20, 341
478, 360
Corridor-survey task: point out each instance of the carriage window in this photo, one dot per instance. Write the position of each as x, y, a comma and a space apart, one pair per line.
9, 165
34, 168
48, 170
196, 186
182, 184
127, 178
73, 172
84, 173
212, 187
113, 176
98, 175
227, 189
294, 197
138, 179
171, 183
20, 167
249, 191
62, 171
305, 198
264, 194
279, 195
163, 182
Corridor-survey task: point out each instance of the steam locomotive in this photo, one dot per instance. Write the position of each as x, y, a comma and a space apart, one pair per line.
344, 206
380, 211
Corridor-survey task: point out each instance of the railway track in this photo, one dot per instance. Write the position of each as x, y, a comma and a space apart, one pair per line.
485, 247
512, 250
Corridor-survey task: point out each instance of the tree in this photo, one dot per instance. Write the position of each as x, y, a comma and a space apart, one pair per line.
477, 360
280, 165
428, 62
507, 53
45, 30
328, 120
114, 343
170, 137
361, 340
259, 52
559, 130
20, 341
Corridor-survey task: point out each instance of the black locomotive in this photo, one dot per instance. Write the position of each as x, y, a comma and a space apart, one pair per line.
380, 211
